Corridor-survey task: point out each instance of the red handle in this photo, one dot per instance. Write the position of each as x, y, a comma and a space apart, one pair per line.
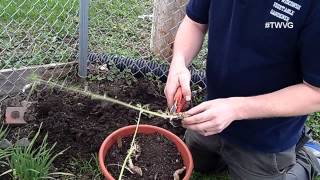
181, 100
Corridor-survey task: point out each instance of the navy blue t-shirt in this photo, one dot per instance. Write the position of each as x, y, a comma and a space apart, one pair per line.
250, 54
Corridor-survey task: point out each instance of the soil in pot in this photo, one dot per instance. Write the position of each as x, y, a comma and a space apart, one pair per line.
157, 157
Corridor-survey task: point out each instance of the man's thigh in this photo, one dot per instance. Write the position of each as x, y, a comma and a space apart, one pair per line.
307, 166
252, 165
205, 152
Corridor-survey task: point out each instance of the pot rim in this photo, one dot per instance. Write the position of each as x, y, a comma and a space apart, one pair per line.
111, 139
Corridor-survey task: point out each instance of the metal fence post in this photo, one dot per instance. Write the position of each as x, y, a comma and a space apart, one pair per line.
83, 43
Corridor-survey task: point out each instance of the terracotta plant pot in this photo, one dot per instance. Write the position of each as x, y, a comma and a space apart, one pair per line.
144, 129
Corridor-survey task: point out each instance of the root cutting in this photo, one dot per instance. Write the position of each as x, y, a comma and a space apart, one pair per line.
132, 148
109, 99
177, 173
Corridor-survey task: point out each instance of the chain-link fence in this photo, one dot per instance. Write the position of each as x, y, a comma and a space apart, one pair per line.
142, 30
121, 27
35, 33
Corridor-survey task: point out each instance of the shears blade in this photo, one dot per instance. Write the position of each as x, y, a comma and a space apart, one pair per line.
179, 102
173, 109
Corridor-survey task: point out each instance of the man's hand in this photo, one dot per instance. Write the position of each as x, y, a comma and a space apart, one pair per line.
187, 44
179, 75
212, 117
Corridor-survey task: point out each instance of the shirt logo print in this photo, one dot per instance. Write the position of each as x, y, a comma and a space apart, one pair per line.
285, 9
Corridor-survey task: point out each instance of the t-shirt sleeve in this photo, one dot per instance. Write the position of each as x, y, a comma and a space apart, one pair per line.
310, 47
198, 10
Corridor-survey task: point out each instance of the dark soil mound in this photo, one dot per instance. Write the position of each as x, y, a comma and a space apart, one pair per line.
80, 123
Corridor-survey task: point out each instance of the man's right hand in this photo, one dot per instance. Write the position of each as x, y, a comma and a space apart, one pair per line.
187, 45
179, 75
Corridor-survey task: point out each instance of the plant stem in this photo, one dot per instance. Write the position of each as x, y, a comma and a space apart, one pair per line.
31, 90
131, 147
105, 98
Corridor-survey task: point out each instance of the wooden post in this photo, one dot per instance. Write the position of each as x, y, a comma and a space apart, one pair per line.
167, 16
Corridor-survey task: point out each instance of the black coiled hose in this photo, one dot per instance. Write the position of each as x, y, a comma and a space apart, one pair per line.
140, 67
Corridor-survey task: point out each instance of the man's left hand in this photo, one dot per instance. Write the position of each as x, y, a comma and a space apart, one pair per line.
212, 117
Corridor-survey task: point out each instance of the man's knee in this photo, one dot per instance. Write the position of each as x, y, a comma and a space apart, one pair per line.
195, 140
307, 166
204, 153
297, 172
190, 138
253, 165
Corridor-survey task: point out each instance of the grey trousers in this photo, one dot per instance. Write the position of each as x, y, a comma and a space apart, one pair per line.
213, 154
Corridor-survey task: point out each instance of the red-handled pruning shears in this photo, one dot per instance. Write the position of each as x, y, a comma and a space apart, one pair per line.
180, 102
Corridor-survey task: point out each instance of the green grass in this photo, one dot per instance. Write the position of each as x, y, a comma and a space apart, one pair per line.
34, 162
314, 123
87, 167
39, 12
37, 32
117, 28
46, 31
4, 153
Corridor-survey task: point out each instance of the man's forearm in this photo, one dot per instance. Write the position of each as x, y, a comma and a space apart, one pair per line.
296, 100
188, 41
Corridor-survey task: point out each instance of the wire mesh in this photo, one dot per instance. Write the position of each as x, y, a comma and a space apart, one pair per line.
44, 32
120, 27
138, 30
35, 33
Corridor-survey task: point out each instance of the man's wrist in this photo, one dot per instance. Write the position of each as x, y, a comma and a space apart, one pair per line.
178, 66
179, 60
241, 108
